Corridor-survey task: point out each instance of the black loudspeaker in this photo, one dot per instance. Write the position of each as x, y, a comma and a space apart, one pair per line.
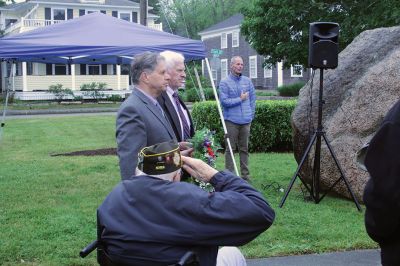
323, 46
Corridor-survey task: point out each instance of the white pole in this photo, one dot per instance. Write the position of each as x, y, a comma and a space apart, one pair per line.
2, 124
221, 116
203, 98
73, 80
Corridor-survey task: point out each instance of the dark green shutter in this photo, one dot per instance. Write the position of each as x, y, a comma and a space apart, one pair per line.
47, 13
70, 13
83, 69
104, 69
114, 14
49, 69
81, 12
134, 17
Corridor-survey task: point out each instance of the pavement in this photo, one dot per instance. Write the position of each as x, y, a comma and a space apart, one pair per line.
369, 257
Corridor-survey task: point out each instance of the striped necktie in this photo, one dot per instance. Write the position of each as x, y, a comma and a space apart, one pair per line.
185, 126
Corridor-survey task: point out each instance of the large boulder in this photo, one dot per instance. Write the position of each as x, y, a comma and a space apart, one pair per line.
357, 95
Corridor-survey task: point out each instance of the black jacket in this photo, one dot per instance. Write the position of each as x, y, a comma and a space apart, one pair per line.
172, 116
382, 192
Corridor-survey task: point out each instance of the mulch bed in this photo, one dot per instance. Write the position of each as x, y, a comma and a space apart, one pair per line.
97, 152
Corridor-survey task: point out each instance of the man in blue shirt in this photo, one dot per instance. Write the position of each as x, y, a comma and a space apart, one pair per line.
238, 100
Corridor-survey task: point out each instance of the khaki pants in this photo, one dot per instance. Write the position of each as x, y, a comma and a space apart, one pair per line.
239, 138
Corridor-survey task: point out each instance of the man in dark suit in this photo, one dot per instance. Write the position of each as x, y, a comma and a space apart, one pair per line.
382, 192
173, 106
141, 121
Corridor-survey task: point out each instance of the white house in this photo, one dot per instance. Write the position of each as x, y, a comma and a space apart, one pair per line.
33, 79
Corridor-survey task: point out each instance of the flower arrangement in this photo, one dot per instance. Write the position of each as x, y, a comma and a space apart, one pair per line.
205, 149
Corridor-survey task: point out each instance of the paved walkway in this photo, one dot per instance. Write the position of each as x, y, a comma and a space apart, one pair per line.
368, 257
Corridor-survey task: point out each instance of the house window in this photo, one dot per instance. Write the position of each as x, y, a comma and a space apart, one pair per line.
214, 74
93, 70
253, 66
235, 39
224, 41
91, 11
268, 70
59, 14
224, 68
296, 71
60, 69
10, 21
125, 16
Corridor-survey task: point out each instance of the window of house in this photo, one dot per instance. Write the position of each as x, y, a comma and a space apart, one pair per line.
235, 39
91, 11
296, 70
267, 70
224, 41
125, 16
93, 69
224, 68
60, 69
214, 74
253, 66
59, 14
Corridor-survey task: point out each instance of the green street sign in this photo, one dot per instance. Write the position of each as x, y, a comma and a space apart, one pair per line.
216, 52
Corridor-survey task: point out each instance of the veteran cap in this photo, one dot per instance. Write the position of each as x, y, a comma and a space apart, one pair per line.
161, 158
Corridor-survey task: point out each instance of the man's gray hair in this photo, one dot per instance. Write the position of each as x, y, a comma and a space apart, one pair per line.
144, 62
168, 176
234, 58
171, 58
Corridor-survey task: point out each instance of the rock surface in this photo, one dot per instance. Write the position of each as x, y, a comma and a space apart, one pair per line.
357, 95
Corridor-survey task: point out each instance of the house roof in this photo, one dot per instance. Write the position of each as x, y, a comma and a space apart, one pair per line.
235, 20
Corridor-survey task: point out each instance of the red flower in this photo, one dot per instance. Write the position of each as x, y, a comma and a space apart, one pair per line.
210, 151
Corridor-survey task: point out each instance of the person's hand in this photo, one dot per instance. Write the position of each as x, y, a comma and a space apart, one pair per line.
244, 95
198, 169
186, 148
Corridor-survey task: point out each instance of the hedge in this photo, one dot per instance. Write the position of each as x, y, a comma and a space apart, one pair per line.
270, 130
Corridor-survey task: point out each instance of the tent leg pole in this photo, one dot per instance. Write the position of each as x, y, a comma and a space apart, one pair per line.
221, 116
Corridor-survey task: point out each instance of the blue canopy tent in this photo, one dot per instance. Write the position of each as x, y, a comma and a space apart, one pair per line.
94, 38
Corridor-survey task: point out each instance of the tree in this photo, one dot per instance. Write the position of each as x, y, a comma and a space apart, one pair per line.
188, 17
278, 29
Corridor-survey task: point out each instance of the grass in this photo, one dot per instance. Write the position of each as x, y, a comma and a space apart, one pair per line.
48, 204
266, 93
54, 105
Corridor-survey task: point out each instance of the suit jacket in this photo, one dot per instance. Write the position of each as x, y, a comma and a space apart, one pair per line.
139, 124
172, 115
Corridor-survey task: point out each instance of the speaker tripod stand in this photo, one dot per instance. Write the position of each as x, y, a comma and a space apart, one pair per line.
316, 138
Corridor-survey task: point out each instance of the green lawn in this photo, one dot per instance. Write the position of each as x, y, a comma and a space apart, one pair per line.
48, 204
53, 105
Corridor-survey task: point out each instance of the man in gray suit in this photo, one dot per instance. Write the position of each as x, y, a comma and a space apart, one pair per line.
141, 122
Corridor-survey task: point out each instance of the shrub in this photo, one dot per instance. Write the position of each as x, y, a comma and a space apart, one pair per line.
114, 98
193, 94
291, 89
270, 130
93, 90
59, 92
11, 98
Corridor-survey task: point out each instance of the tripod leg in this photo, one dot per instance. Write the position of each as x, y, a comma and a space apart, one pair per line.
303, 159
342, 176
